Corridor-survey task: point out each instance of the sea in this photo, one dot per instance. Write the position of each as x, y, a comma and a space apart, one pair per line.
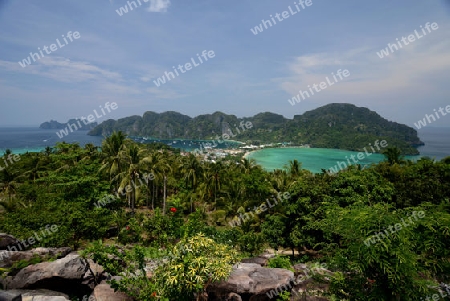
33, 139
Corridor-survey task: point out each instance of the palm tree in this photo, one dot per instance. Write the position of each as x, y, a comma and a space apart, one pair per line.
192, 171
280, 180
128, 178
294, 168
9, 184
48, 151
150, 165
37, 165
212, 179
247, 165
164, 168
111, 150
393, 155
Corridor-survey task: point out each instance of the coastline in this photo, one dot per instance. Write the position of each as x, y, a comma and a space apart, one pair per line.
249, 153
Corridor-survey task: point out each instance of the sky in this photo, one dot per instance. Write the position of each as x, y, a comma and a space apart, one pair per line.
119, 57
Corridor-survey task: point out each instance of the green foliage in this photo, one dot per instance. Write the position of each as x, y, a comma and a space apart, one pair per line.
109, 257
131, 233
284, 296
326, 216
192, 265
23, 263
390, 265
281, 262
195, 263
251, 242
163, 229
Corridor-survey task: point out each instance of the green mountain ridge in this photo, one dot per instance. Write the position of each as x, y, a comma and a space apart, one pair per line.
336, 125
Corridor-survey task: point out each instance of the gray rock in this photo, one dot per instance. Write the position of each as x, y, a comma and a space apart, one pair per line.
250, 282
63, 275
103, 292
258, 260
10, 296
29, 295
7, 240
7, 258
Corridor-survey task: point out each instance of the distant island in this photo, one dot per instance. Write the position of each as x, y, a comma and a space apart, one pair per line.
55, 125
336, 125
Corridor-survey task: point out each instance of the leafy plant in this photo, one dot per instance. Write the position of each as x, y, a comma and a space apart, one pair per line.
281, 262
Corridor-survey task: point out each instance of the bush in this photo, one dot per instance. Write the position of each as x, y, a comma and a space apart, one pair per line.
251, 243
131, 233
281, 262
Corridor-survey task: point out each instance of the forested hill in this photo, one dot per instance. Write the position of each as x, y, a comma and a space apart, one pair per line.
342, 126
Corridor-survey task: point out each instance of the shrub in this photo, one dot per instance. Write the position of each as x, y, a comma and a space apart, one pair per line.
281, 262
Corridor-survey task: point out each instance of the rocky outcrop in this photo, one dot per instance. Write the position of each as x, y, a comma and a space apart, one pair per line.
7, 258
251, 282
64, 275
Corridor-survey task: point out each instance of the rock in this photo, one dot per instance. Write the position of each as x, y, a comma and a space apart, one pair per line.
7, 258
63, 275
258, 260
28, 295
7, 240
103, 292
234, 297
305, 285
94, 275
250, 282
10, 296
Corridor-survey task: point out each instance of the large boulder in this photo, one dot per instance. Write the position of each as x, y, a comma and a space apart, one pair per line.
36, 295
250, 281
7, 240
7, 258
104, 292
307, 287
63, 275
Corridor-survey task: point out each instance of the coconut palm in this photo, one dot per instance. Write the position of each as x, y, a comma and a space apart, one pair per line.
393, 155
111, 151
192, 171
9, 184
129, 177
247, 165
164, 168
150, 163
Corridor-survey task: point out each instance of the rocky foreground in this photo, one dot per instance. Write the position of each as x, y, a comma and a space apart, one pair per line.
61, 274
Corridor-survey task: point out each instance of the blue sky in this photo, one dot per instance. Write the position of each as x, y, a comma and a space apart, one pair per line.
117, 58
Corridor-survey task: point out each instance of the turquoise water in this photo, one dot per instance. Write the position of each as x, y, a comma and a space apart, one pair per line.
313, 159
437, 146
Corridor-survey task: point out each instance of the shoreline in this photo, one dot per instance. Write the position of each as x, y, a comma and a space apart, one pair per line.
249, 153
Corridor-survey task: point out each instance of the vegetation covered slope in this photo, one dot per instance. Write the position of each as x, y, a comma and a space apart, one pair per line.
147, 201
342, 126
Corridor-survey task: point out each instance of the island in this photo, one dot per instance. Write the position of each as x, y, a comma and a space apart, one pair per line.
336, 125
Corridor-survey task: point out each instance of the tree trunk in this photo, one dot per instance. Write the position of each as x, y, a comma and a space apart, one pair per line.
164, 195
153, 195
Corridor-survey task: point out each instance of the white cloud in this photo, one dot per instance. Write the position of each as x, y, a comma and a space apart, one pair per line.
405, 70
158, 6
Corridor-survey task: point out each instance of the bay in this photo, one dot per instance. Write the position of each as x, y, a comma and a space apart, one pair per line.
437, 146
